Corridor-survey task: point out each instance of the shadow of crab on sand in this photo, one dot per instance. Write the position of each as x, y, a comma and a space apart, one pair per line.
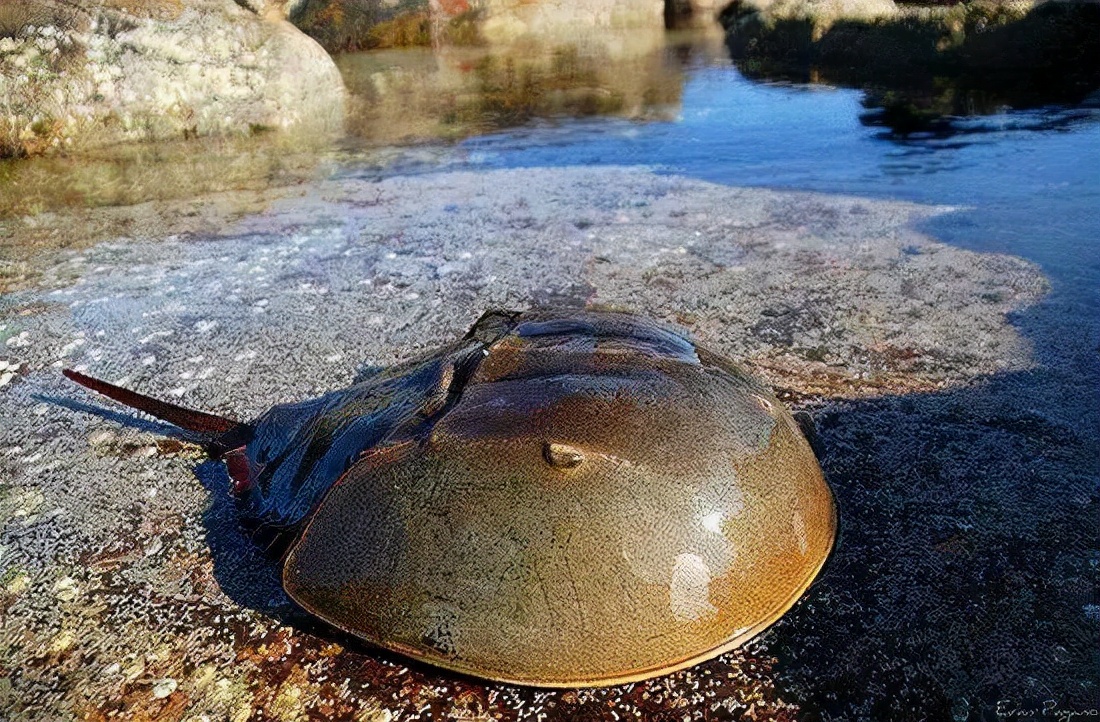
247, 563
968, 552
246, 569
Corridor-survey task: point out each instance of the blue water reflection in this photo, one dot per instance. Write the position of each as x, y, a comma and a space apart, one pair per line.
1031, 179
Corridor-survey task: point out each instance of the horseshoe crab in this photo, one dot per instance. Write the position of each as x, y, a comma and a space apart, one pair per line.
555, 500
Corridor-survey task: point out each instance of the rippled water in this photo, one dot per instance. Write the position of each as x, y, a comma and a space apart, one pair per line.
1029, 180
672, 100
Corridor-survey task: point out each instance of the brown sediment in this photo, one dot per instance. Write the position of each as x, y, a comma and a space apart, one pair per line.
795, 380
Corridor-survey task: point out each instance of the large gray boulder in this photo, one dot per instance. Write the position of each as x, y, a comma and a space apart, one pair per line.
89, 73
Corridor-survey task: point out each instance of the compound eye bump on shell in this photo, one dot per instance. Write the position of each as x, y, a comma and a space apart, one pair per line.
562, 456
424, 512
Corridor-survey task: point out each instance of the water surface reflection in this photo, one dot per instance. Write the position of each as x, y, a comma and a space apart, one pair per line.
443, 93
638, 95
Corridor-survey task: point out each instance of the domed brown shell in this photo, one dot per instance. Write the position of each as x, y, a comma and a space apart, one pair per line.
600, 501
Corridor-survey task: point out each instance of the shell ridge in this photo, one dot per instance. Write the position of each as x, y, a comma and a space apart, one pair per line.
345, 425
302, 448
640, 333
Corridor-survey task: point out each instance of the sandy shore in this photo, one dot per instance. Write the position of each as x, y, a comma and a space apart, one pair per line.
127, 585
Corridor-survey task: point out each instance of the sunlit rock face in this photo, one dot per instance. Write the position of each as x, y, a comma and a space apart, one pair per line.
503, 21
86, 74
493, 64
483, 65
280, 9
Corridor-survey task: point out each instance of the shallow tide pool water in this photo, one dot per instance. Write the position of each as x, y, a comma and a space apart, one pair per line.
1034, 173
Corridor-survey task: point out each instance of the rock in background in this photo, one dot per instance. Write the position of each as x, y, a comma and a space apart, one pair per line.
349, 25
501, 21
83, 74
922, 65
822, 14
352, 25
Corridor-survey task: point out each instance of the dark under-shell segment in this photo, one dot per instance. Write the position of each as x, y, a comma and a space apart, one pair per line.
298, 450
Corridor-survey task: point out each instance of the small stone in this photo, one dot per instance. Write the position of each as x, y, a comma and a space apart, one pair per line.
61, 643
102, 437
373, 713
164, 687
562, 456
18, 583
135, 670
66, 589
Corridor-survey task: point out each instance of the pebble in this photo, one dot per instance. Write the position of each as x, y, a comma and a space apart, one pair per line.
65, 589
18, 584
102, 436
164, 687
